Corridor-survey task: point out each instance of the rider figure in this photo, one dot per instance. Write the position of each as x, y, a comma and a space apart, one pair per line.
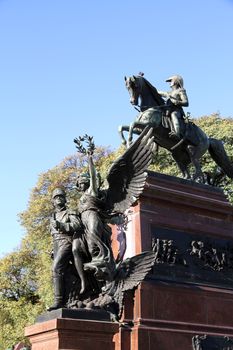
175, 100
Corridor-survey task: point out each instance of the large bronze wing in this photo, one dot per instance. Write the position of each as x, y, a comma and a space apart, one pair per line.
127, 175
130, 273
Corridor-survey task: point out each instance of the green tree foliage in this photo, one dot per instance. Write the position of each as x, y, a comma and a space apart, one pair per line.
19, 300
25, 274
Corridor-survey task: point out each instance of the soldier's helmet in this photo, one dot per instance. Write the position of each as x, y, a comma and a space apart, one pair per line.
83, 178
176, 80
58, 192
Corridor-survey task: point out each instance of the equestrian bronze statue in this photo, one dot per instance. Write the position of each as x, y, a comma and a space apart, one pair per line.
171, 130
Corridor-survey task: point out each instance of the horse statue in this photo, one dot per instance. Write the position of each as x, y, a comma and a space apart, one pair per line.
189, 149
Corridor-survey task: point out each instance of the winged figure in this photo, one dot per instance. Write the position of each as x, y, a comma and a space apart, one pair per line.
129, 273
97, 208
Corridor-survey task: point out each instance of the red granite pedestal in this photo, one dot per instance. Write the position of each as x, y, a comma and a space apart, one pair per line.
64, 333
190, 290
184, 296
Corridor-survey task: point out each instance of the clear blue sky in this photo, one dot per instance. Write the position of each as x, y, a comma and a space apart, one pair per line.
62, 65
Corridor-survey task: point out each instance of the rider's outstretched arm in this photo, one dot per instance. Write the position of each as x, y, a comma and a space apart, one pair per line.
163, 94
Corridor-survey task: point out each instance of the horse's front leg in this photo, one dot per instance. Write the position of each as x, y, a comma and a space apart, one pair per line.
198, 176
130, 136
121, 130
134, 128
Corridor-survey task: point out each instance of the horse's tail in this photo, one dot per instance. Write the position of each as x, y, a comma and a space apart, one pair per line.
219, 155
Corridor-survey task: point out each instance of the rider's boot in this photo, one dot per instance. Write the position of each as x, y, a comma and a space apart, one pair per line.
176, 130
58, 283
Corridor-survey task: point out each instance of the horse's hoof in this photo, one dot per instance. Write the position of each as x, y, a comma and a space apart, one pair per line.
199, 179
187, 176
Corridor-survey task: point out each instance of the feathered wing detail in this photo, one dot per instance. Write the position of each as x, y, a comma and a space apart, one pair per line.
127, 176
130, 273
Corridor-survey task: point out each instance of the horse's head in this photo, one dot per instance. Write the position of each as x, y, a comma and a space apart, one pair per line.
133, 86
139, 87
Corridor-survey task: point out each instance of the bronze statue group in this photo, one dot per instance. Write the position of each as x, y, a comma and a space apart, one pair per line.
85, 272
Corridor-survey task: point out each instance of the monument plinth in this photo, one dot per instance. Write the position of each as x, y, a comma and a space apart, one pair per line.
188, 296
68, 333
190, 290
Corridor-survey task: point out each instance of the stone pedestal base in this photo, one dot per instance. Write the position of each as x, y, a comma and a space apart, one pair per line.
73, 334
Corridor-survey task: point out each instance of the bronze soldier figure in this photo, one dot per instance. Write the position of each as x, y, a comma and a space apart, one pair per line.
64, 225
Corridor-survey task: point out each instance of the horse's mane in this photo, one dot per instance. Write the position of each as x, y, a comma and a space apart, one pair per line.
159, 100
